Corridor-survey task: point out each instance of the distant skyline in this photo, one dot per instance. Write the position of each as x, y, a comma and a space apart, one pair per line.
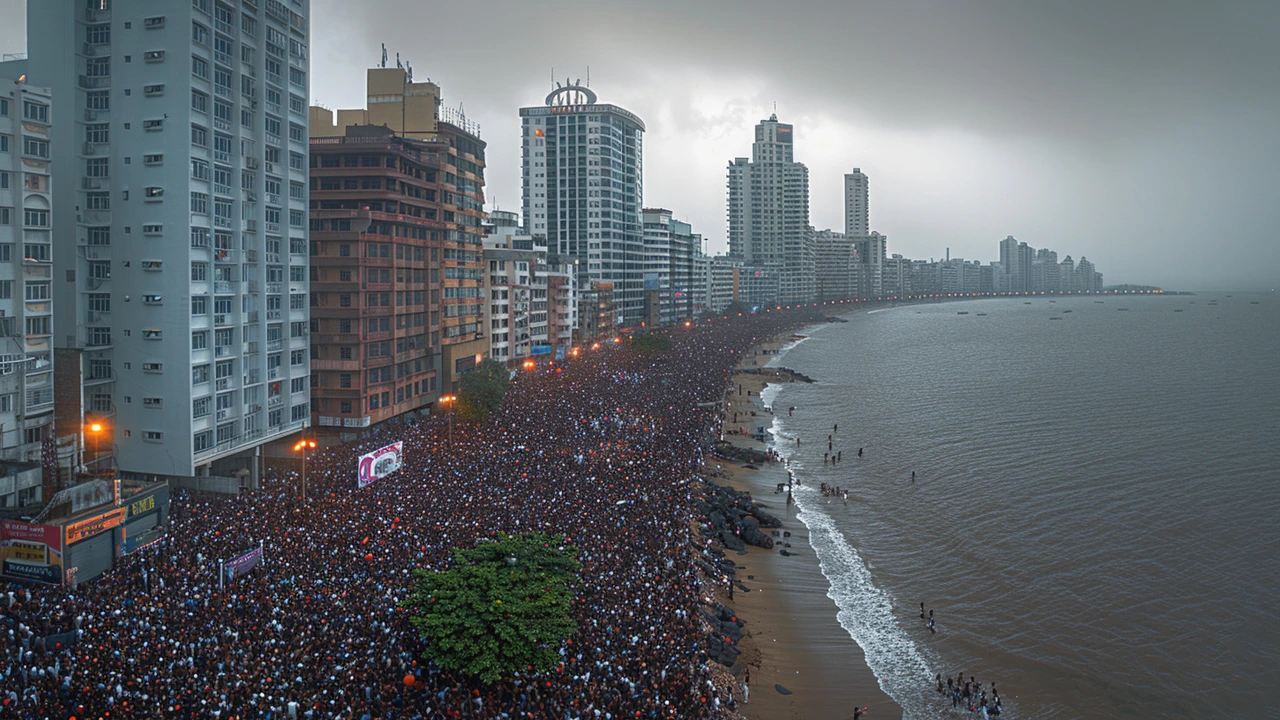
1141, 134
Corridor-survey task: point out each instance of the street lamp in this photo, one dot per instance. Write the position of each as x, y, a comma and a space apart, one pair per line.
96, 429
302, 446
450, 400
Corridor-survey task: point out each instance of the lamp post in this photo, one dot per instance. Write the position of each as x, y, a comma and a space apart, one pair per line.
449, 400
303, 445
96, 429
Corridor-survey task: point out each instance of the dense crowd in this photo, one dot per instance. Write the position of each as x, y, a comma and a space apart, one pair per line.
603, 448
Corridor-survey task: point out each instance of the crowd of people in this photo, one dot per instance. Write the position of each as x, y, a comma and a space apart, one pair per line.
603, 448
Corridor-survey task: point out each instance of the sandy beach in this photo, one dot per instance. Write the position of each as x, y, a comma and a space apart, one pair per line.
793, 638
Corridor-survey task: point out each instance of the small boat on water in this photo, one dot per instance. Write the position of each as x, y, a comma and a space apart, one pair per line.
1055, 318
1178, 310
984, 314
963, 312
1064, 312
1027, 303
1099, 302
1053, 302
1122, 309
1253, 302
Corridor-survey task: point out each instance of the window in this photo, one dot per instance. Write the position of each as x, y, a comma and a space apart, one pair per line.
35, 111
4, 181
35, 148
36, 218
200, 341
99, 236
202, 441
4, 143
199, 101
35, 253
38, 325
153, 23
297, 133
298, 357
200, 407
153, 124
199, 169
200, 67
98, 201
98, 100
37, 291
6, 289
298, 385
97, 167
97, 133
98, 67
152, 402
200, 203
199, 136
153, 56
97, 34
199, 34
297, 77
199, 272
4, 108
155, 90
98, 336
199, 304
152, 435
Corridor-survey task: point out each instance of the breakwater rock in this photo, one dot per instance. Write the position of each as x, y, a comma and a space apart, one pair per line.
783, 374
734, 517
730, 451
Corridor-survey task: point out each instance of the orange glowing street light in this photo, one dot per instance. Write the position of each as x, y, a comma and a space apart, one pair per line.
595, 346
450, 400
302, 446
574, 352
96, 429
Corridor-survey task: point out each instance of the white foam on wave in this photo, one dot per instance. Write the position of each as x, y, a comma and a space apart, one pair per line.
865, 610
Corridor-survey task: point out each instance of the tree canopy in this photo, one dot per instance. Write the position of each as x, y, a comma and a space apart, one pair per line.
481, 390
651, 344
503, 606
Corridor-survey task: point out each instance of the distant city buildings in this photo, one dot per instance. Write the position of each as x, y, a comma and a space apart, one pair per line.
768, 197
856, 204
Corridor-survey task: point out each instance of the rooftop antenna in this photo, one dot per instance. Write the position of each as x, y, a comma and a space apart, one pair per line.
588, 76
384, 55
398, 63
409, 68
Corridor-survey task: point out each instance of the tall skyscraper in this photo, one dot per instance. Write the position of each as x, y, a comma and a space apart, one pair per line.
769, 212
180, 241
856, 200
26, 269
583, 190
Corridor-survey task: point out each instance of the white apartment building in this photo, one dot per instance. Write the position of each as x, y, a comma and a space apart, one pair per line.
856, 211
657, 260
26, 270
181, 232
582, 180
769, 211
532, 298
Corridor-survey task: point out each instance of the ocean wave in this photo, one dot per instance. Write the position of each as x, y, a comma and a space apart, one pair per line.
865, 610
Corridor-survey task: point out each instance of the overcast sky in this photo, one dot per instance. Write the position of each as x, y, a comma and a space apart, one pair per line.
1144, 135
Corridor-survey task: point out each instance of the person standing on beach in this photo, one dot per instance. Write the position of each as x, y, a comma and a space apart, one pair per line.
913, 476
835, 428
859, 452
921, 611
746, 685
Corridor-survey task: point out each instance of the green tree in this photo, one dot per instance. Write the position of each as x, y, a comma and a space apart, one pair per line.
481, 390
651, 344
503, 606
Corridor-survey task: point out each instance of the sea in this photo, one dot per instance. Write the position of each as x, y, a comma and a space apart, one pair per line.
1095, 515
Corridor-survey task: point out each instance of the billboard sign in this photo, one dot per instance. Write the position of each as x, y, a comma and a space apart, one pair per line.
540, 350
99, 523
380, 463
31, 552
242, 564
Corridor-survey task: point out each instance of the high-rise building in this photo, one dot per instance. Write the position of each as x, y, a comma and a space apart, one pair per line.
27, 325
188, 121
856, 199
769, 212
657, 261
582, 178
398, 301
837, 265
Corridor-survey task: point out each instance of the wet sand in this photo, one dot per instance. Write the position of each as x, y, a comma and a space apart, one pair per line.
793, 637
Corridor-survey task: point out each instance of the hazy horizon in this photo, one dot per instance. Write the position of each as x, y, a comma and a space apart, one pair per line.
1140, 135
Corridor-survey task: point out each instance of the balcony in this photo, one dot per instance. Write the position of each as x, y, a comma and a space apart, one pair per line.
353, 365
252, 377
275, 288
273, 315
223, 255
273, 374
222, 351
222, 384
275, 402
222, 287
273, 346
